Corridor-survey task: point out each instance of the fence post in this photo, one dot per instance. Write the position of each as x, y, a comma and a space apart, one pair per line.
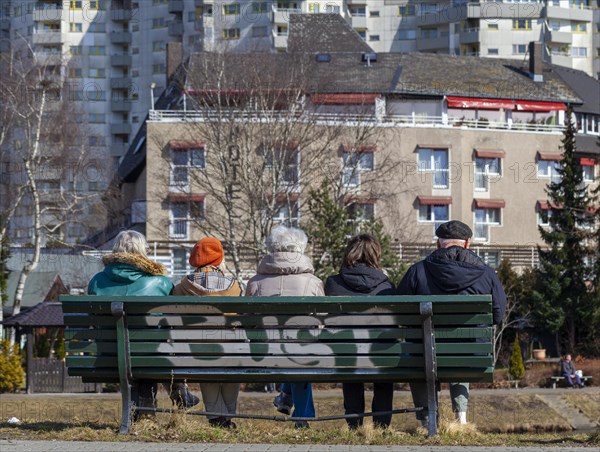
29, 364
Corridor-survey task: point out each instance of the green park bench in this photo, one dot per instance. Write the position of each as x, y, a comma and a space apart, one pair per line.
126, 339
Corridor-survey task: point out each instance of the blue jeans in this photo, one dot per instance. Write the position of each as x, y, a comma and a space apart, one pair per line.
570, 380
302, 396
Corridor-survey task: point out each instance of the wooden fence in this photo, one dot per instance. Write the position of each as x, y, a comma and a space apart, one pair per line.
50, 375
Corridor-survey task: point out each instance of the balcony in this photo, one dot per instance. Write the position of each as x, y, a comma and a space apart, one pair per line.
120, 37
175, 6
120, 128
122, 14
561, 59
47, 37
120, 106
175, 28
496, 10
433, 44
48, 58
120, 60
280, 40
120, 83
358, 22
47, 12
470, 36
282, 15
581, 15
560, 37
4, 23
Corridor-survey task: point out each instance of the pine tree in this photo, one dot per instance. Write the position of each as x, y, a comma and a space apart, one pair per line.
12, 375
516, 368
561, 301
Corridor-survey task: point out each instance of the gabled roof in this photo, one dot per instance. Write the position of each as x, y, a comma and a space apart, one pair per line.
48, 314
586, 87
323, 33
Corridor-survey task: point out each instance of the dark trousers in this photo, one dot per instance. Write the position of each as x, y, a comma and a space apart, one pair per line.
354, 402
570, 380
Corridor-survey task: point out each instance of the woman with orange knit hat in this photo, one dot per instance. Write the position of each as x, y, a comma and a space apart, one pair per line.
207, 280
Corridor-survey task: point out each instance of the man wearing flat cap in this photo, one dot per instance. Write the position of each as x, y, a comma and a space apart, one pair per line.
452, 269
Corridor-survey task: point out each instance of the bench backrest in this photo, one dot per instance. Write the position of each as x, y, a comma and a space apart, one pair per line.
258, 339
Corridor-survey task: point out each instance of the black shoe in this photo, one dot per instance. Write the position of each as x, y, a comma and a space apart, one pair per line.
301, 424
222, 422
284, 403
182, 397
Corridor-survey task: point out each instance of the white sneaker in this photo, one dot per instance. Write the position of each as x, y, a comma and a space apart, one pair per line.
461, 417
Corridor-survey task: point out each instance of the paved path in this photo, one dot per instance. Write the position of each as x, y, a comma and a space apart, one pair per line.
78, 446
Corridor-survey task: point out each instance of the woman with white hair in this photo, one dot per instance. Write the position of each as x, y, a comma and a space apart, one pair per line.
286, 271
129, 271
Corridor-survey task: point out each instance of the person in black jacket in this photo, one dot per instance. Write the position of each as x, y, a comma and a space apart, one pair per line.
451, 270
361, 274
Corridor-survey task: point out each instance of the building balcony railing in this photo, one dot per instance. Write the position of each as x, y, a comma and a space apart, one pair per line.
47, 37
175, 6
47, 12
358, 21
175, 28
120, 60
120, 106
282, 15
384, 120
122, 14
120, 82
120, 37
48, 58
120, 128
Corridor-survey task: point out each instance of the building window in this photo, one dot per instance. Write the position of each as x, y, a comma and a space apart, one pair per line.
95, 140
374, 14
261, 7
492, 51
354, 163
75, 50
485, 168
98, 72
373, 37
158, 46
492, 26
549, 168
490, 258
97, 27
361, 212
97, 5
436, 214
362, 33
578, 4
543, 217
285, 164
158, 68
358, 11
75, 72
579, 52
159, 22
408, 10
406, 35
75, 27
587, 168
180, 261
332, 9
97, 50
282, 214
313, 8
231, 33
484, 218
183, 213
521, 24
231, 9
183, 161
429, 33
579, 27
75, 4
435, 161
97, 118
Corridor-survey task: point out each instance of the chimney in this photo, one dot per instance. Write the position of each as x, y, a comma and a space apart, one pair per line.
535, 61
174, 58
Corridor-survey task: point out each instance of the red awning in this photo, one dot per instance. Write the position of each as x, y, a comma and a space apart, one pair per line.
185, 197
506, 104
549, 156
489, 153
285, 197
545, 205
540, 106
343, 99
489, 203
435, 200
587, 162
183, 145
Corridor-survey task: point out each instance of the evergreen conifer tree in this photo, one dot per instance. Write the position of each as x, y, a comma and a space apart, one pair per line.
561, 301
516, 367
12, 375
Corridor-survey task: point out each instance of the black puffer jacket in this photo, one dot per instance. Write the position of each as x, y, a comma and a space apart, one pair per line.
359, 280
454, 271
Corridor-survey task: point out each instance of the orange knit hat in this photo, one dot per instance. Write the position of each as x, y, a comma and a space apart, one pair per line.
208, 251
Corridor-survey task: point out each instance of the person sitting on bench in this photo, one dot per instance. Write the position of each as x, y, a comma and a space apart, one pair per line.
567, 369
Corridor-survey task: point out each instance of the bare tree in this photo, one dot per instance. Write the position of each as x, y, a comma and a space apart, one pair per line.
43, 155
257, 142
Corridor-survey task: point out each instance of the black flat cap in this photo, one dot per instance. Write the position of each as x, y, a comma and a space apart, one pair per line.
454, 229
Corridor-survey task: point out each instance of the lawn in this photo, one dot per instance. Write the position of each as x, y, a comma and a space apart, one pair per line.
515, 420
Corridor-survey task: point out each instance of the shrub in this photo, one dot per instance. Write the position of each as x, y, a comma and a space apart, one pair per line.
516, 367
12, 375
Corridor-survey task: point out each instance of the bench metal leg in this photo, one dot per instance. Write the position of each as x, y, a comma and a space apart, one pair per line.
430, 366
126, 409
124, 364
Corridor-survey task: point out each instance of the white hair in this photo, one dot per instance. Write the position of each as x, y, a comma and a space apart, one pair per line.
283, 238
132, 242
446, 243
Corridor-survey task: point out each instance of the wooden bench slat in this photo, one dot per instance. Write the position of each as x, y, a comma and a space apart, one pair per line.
283, 334
288, 321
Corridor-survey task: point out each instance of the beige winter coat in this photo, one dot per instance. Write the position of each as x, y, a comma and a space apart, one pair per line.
285, 274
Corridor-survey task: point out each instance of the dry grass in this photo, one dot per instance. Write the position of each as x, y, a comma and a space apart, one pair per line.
493, 420
588, 404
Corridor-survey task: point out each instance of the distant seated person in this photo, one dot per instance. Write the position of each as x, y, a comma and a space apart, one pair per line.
567, 369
